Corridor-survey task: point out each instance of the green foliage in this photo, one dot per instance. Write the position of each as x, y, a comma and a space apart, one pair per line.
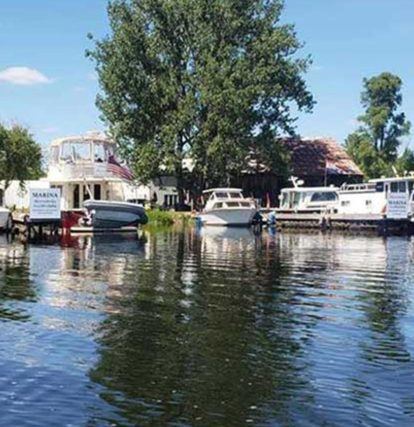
158, 217
374, 146
359, 146
206, 80
20, 155
405, 163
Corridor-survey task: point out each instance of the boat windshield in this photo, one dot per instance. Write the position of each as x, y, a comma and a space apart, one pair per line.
285, 199
236, 195
221, 195
76, 151
229, 195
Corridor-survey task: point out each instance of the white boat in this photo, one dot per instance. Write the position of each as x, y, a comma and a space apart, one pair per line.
391, 198
228, 207
308, 199
109, 214
5, 219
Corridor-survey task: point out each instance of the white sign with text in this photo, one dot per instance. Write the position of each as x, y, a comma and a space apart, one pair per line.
397, 207
44, 203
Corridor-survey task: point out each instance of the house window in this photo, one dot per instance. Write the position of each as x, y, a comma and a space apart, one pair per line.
170, 200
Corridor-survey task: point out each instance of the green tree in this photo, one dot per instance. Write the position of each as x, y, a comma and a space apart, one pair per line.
374, 146
405, 162
20, 155
206, 80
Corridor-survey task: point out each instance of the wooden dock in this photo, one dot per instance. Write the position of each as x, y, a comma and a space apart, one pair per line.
346, 222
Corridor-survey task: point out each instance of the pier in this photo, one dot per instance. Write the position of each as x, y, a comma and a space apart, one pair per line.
345, 222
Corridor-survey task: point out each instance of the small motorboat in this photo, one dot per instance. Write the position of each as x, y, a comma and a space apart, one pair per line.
227, 206
6, 221
113, 214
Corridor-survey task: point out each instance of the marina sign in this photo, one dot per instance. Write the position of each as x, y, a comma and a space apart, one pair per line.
397, 207
44, 203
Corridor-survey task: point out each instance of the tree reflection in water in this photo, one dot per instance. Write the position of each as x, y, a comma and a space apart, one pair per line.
16, 288
206, 330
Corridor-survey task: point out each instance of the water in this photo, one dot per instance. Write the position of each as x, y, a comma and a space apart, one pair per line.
218, 328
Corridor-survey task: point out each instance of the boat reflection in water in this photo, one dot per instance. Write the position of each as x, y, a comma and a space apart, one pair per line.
209, 327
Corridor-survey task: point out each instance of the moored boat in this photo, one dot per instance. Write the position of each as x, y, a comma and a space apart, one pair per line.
391, 198
113, 214
308, 199
227, 207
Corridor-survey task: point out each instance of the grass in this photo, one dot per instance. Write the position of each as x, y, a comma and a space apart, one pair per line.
168, 218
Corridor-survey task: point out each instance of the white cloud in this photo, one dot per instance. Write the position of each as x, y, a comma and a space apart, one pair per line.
50, 129
23, 76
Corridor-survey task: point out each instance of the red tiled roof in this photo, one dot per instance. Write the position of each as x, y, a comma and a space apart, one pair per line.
309, 156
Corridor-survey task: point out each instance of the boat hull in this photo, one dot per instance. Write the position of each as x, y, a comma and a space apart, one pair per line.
107, 214
228, 217
4, 218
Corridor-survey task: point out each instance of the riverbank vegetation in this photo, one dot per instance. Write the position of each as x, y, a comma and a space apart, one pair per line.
158, 217
20, 155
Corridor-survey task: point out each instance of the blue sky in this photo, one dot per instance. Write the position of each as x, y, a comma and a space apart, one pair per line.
348, 40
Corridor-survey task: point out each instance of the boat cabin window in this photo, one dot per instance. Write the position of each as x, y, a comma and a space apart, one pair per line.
100, 153
54, 154
296, 198
218, 205
410, 186
285, 199
235, 195
324, 197
379, 187
245, 204
232, 204
398, 187
76, 151
220, 195
1, 197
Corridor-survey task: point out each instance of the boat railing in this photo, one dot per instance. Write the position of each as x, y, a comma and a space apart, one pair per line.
79, 171
357, 188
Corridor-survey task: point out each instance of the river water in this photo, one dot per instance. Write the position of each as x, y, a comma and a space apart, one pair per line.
208, 328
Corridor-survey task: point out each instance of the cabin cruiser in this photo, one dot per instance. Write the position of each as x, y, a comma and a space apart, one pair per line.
108, 214
308, 199
384, 197
80, 167
227, 206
